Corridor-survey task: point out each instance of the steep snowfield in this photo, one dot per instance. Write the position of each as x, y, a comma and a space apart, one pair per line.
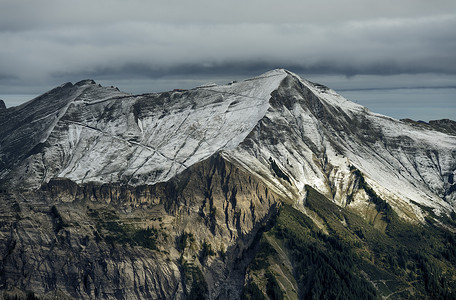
319, 137
145, 139
402, 162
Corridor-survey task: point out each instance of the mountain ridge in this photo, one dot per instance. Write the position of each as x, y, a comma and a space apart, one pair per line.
104, 194
219, 118
135, 125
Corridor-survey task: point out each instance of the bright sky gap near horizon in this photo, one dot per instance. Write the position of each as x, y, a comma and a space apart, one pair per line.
396, 58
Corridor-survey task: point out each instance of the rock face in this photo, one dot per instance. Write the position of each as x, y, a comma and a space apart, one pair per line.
146, 242
166, 196
2, 104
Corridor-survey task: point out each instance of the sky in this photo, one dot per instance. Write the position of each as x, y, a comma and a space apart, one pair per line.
396, 57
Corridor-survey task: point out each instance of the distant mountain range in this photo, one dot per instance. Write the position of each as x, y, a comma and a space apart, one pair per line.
273, 187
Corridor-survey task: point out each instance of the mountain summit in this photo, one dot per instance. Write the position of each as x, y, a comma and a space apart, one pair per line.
88, 133
189, 179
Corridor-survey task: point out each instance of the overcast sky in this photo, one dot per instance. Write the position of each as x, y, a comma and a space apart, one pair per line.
372, 52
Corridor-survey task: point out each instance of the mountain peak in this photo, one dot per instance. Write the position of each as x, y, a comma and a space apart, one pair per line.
85, 82
88, 133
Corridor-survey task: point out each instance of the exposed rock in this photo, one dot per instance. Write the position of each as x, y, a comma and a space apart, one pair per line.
83, 240
444, 125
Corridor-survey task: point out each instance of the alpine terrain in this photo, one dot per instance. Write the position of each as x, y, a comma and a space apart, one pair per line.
270, 188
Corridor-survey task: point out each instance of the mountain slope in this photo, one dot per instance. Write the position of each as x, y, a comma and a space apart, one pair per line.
354, 261
316, 137
106, 136
177, 194
312, 133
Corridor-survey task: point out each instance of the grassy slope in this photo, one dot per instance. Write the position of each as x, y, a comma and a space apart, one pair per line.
355, 260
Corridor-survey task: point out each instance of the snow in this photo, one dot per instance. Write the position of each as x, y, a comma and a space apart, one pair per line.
405, 165
410, 176
103, 135
107, 142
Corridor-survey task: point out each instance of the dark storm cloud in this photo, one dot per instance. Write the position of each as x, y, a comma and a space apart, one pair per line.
27, 14
47, 42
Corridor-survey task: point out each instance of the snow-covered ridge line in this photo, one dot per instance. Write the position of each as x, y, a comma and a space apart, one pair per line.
104, 135
318, 141
314, 136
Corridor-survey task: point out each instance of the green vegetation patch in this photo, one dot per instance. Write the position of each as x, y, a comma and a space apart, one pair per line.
183, 240
206, 250
115, 231
324, 265
356, 260
195, 278
272, 287
380, 204
252, 292
261, 259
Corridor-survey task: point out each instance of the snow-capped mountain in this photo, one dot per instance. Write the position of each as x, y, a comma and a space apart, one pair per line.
88, 133
206, 192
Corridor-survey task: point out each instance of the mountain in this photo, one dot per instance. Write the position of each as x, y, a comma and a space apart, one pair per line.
266, 188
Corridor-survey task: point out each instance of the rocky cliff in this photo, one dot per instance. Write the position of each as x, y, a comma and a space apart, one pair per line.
144, 242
